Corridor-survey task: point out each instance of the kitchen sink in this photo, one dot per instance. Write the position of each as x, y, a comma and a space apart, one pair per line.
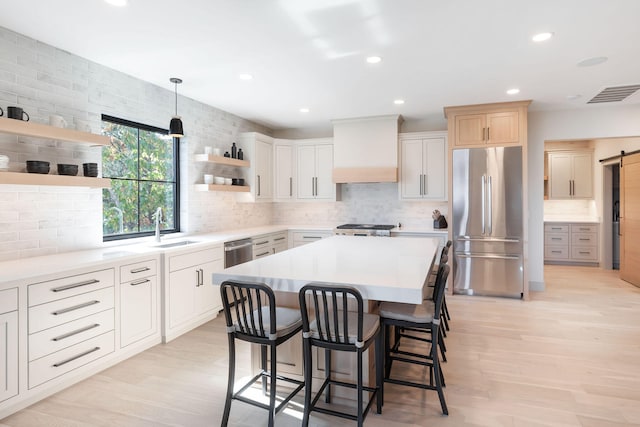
174, 244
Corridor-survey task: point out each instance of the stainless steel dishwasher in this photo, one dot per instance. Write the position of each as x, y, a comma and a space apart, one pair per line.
237, 252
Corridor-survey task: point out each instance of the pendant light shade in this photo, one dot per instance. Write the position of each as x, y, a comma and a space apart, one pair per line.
175, 127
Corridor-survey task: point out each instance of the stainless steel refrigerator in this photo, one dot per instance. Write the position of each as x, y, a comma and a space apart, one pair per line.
488, 222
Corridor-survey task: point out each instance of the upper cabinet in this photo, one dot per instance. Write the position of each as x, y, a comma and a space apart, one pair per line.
258, 151
283, 162
423, 173
570, 175
315, 167
499, 124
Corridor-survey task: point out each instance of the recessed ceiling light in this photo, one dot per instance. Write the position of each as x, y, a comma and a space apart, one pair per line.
374, 59
542, 37
513, 91
399, 101
304, 110
119, 3
245, 76
572, 97
590, 62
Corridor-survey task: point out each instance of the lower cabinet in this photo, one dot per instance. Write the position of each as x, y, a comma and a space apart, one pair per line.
269, 244
191, 299
139, 301
8, 343
567, 243
299, 238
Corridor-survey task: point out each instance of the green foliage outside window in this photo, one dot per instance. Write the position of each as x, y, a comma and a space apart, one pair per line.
143, 170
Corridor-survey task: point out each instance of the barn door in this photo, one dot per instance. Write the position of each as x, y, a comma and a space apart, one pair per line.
630, 219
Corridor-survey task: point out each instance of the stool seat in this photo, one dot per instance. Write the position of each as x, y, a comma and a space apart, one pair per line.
417, 313
287, 321
370, 324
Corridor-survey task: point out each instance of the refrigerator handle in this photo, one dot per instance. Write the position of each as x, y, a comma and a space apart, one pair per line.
490, 199
484, 191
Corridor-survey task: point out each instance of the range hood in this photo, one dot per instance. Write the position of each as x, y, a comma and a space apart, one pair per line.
366, 149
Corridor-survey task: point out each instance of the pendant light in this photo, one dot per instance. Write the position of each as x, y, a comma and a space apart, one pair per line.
175, 127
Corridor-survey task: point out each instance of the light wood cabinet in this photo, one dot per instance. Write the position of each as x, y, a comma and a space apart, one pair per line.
139, 302
191, 299
499, 124
8, 344
315, 168
570, 175
423, 171
567, 243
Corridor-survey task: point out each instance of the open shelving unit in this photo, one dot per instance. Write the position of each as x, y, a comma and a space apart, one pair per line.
216, 187
19, 127
220, 160
23, 178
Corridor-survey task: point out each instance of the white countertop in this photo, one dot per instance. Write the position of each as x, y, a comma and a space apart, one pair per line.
383, 269
571, 219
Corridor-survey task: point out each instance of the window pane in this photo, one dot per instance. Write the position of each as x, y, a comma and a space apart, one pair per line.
120, 208
154, 195
156, 156
120, 160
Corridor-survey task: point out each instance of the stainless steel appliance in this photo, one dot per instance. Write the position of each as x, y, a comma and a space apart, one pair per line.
488, 221
364, 230
237, 252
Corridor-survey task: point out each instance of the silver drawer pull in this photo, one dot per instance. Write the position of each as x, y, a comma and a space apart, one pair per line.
556, 252
76, 332
71, 359
75, 285
585, 229
139, 270
556, 228
279, 238
556, 238
262, 243
76, 307
140, 282
263, 254
311, 237
585, 253
585, 239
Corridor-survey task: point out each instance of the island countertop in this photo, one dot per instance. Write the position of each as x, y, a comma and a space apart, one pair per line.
381, 268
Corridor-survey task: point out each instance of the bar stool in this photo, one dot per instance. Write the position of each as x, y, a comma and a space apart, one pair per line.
424, 317
251, 315
337, 328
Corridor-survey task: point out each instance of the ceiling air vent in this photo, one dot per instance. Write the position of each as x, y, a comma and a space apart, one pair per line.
614, 94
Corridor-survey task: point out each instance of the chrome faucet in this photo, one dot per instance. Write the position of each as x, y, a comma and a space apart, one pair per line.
158, 218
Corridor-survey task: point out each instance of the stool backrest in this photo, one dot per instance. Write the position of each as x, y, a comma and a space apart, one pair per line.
329, 304
439, 289
249, 308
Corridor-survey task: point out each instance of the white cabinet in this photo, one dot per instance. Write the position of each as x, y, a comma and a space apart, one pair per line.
8, 343
283, 171
315, 168
303, 237
139, 301
570, 243
258, 150
570, 175
423, 172
191, 299
269, 244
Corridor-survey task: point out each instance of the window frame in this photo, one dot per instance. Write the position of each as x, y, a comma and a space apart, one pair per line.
176, 182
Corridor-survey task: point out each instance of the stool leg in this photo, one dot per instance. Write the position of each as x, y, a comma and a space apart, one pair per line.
306, 349
446, 309
327, 367
379, 345
263, 366
359, 389
438, 373
272, 385
387, 351
232, 368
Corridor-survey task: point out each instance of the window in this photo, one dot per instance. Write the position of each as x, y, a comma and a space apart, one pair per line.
142, 163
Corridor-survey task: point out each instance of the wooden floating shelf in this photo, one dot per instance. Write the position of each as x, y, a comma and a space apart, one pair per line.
215, 187
19, 127
23, 178
221, 160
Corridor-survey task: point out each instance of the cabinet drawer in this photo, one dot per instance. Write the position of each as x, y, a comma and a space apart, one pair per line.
52, 290
8, 300
56, 313
280, 238
584, 239
263, 253
584, 253
584, 228
138, 270
556, 239
180, 262
309, 236
260, 242
556, 252
553, 228
68, 334
63, 361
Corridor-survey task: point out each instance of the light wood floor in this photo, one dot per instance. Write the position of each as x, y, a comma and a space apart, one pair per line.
568, 357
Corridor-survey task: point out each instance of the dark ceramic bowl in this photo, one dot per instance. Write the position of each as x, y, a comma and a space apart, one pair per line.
71, 170
37, 166
90, 169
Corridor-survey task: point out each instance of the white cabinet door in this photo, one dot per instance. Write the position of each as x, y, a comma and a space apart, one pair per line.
411, 176
263, 170
325, 188
434, 168
138, 309
582, 166
560, 175
283, 172
182, 295
8, 355
306, 171
207, 295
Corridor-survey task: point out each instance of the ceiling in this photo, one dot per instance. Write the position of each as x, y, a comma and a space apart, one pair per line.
311, 53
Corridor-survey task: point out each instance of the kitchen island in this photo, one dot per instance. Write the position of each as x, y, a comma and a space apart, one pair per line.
381, 268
